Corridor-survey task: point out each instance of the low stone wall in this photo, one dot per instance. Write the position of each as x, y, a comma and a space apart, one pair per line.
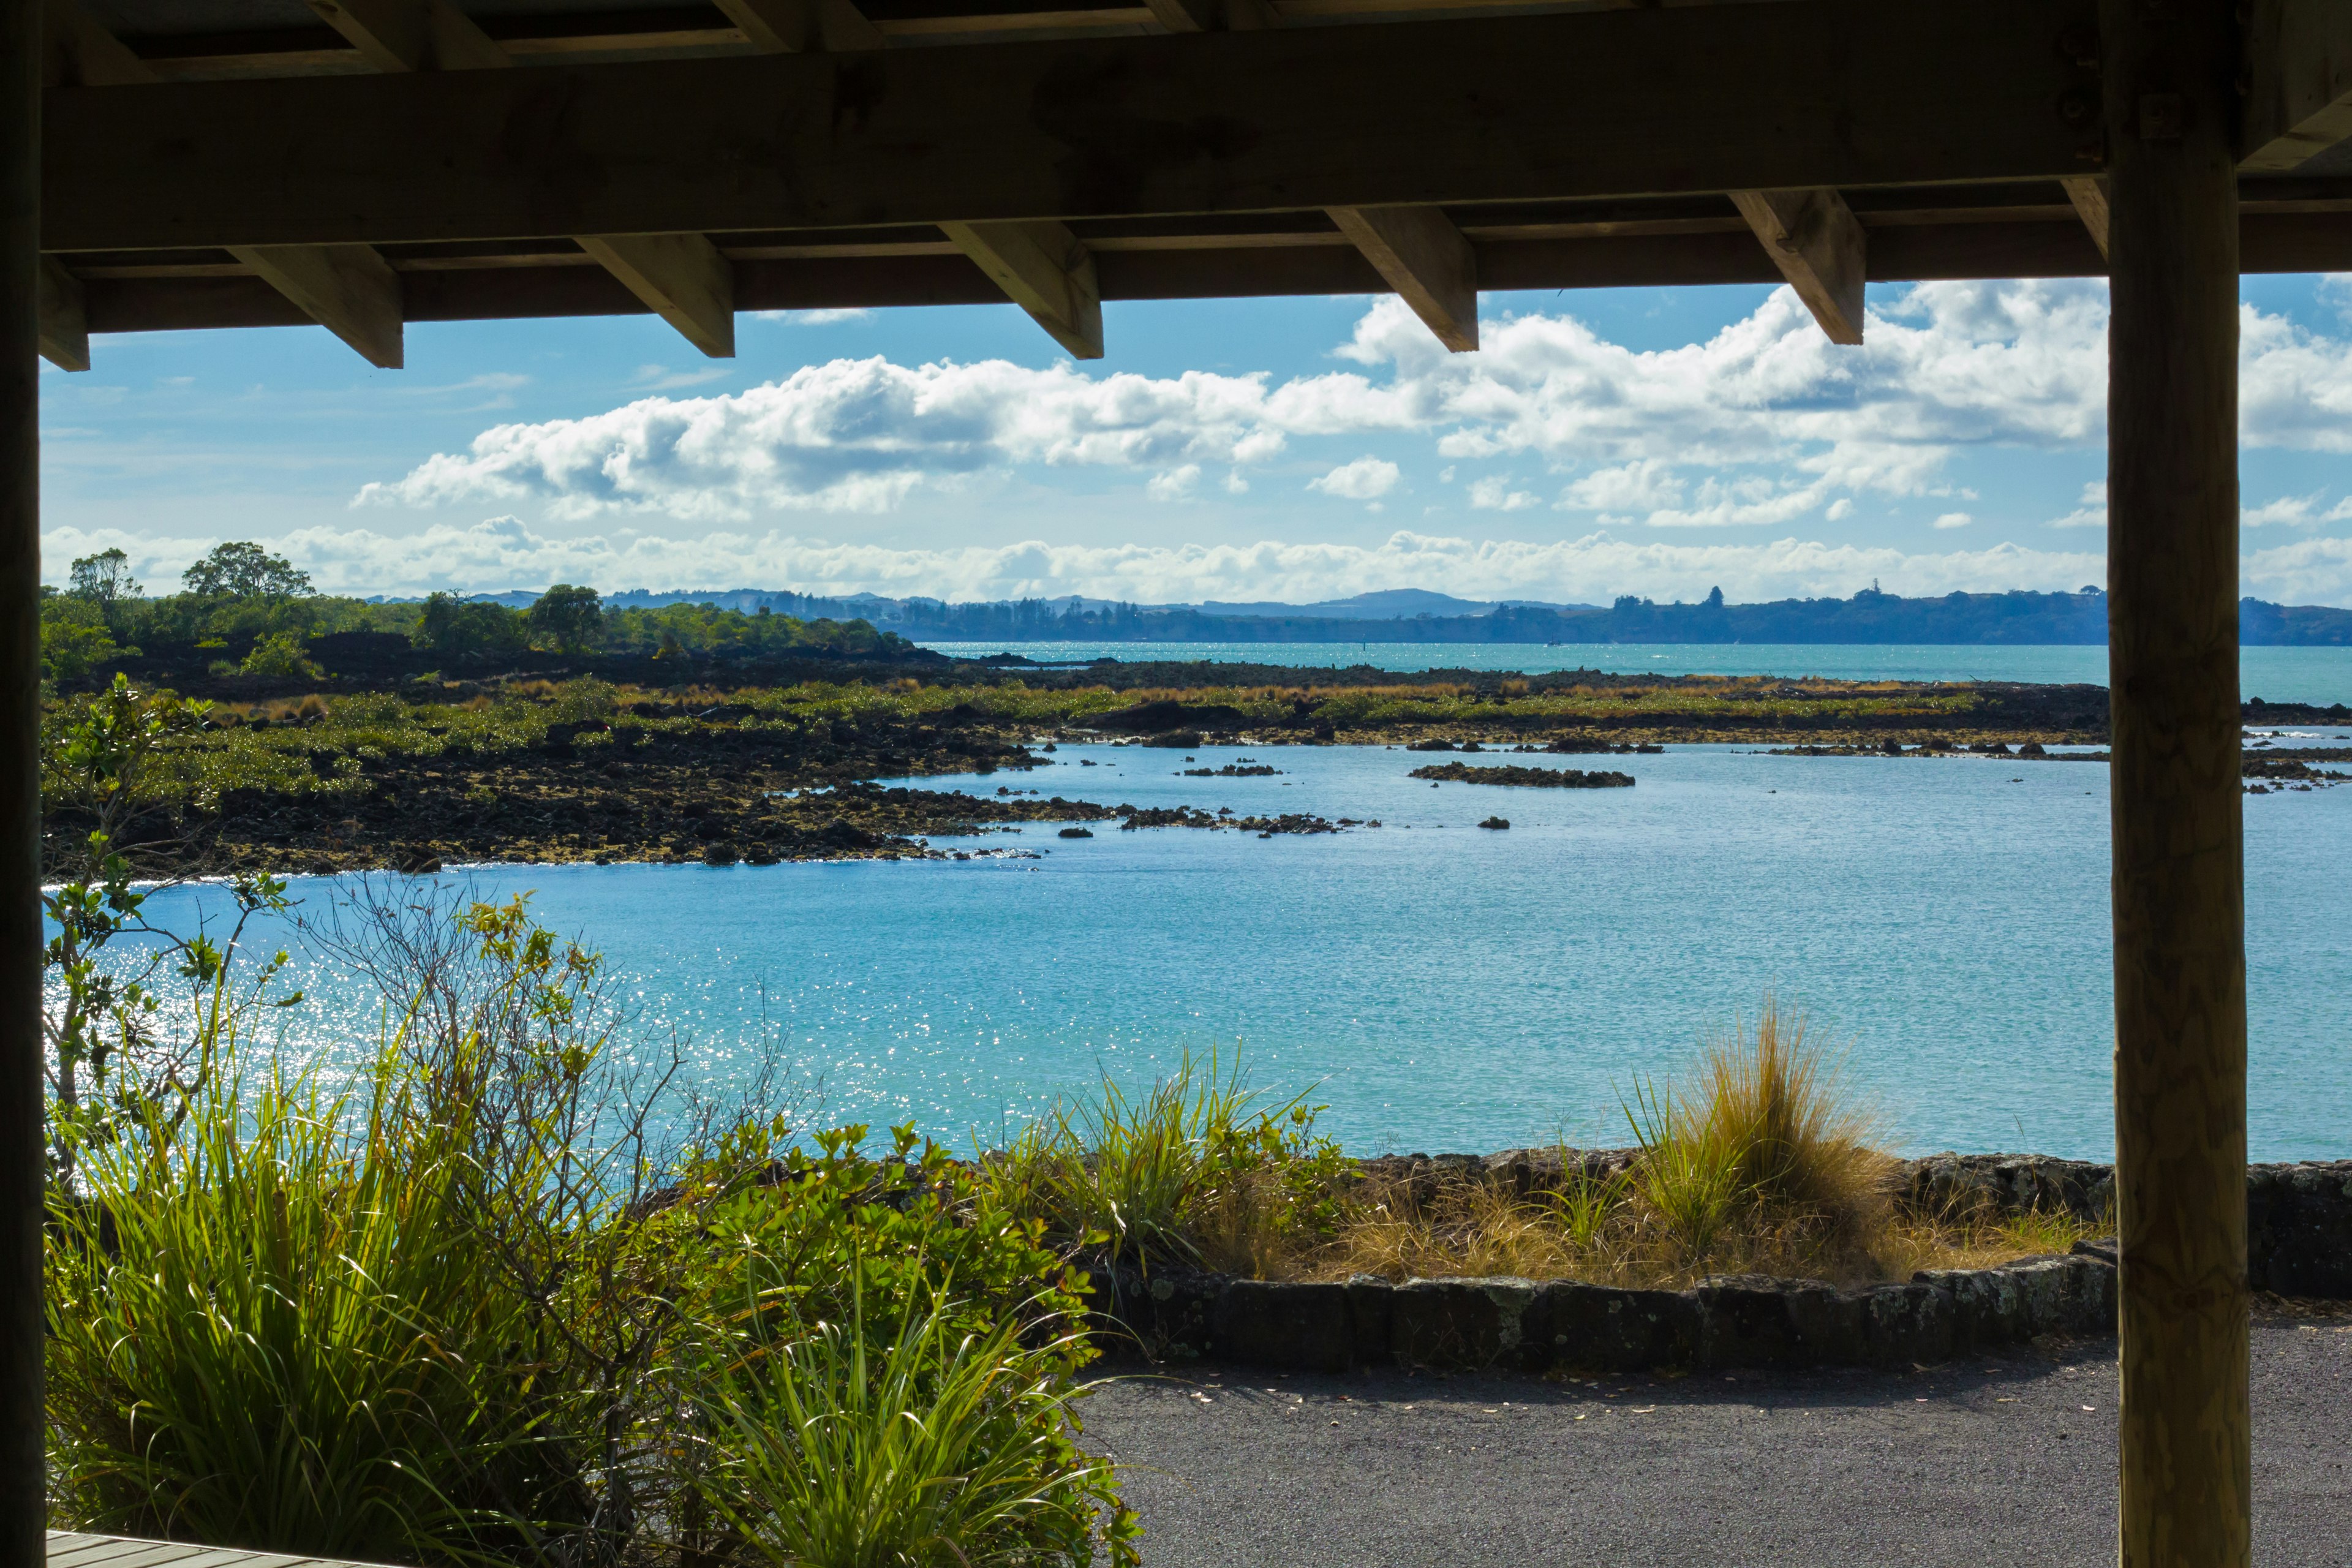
2298, 1217
2299, 1243
1737, 1320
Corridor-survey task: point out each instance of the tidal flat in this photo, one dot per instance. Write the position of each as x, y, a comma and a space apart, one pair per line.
418, 774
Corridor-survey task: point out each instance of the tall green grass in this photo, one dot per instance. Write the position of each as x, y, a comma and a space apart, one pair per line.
942, 1444
1198, 1169
271, 1332
465, 1308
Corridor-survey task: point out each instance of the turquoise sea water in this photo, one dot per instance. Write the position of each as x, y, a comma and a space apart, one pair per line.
1450, 987
2320, 675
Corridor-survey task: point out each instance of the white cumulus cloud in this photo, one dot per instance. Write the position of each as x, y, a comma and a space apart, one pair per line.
1365, 478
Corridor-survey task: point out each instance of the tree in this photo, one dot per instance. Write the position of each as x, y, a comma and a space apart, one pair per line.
572, 616
104, 580
449, 625
243, 570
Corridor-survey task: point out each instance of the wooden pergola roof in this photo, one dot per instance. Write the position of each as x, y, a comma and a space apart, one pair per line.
362, 163
365, 162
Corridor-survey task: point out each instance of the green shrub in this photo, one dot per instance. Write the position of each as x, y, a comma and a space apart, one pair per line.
280, 653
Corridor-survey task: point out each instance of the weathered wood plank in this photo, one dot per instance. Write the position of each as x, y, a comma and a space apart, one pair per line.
70, 1549
1808, 92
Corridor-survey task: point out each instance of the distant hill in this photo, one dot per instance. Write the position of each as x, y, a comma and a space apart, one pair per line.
1411, 614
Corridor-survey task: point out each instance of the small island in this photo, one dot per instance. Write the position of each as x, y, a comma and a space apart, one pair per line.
1525, 778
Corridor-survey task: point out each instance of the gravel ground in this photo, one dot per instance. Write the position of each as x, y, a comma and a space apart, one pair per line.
1998, 1460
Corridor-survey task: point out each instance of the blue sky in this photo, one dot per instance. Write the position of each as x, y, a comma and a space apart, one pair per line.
1652, 441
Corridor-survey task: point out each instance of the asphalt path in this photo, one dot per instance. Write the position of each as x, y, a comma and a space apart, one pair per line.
1981, 1464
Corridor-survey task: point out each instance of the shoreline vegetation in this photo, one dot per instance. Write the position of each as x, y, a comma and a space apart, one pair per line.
514, 1288
282, 730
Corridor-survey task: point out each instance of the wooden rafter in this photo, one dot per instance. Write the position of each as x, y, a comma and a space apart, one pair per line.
413, 34
1526, 108
681, 278
1041, 267
1426, 261
64, 318
2296, 82
1216, 16
798, 27
1814, 237
347, 289
1047, 271
2089, 194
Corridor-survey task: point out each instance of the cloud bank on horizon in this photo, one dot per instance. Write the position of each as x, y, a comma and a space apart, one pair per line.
1633, 462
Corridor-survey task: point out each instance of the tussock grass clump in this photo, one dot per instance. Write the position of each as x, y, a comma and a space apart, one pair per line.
1199, 1169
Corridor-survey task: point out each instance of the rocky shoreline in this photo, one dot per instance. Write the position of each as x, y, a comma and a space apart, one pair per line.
758, 775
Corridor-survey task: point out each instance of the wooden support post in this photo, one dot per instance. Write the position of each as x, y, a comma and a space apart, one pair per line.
1425, 259
22, 1512
2089, 194
2171, 108
1819, 246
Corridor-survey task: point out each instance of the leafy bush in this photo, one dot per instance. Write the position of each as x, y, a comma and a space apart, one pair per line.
280, 653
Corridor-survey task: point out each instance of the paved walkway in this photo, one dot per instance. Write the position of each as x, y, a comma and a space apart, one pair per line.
2000, 1460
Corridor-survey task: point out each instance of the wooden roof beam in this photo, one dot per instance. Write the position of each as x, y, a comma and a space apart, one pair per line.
2297, 82
1214, 15
1047, 271
347, 289
64, 319
1041, 267
1820, 247
1426, 261
681, 278
1486, 110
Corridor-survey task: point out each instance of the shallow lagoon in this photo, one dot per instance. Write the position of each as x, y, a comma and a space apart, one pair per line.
1451, 987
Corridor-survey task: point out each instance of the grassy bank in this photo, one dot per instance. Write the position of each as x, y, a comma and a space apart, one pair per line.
1760, 1159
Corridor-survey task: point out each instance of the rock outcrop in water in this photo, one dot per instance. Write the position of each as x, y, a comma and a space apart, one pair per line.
1525, 778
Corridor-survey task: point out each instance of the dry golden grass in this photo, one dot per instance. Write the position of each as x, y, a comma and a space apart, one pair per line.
1763, 1162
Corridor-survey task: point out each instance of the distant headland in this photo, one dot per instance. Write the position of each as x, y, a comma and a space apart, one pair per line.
1414, 615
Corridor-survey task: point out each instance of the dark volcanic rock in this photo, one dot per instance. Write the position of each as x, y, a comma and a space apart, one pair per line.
1525, 778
